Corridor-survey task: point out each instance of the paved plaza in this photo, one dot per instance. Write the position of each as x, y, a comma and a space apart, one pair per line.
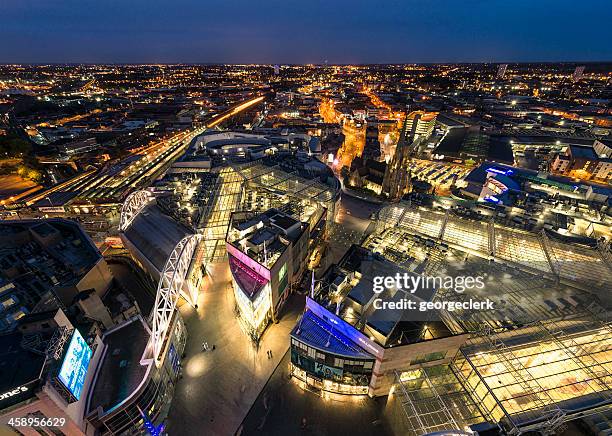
284, 408
218, 387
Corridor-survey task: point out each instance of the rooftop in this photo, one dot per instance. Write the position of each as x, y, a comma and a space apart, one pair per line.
18, 366
356, 298
155, 235
265, 236
120, 371
320, 334
580, 152
36, 256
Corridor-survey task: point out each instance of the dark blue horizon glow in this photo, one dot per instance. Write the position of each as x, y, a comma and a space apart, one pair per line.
314, 31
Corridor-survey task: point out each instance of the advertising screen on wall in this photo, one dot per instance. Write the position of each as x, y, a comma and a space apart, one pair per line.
74, 367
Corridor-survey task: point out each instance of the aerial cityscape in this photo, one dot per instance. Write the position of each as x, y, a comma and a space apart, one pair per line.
212, 247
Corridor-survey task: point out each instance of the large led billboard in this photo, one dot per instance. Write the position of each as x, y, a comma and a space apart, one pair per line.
74, 367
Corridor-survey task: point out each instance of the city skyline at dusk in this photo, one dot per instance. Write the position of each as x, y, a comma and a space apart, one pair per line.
297, 218
340, 32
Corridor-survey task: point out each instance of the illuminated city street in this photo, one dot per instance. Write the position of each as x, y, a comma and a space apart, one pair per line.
305, 218
354, 141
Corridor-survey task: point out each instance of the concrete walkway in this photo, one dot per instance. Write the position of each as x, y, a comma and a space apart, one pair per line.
283, 406
219, 387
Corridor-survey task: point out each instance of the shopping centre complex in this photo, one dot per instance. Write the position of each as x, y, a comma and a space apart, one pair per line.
530, 350
539, 358
116, 370
214, 214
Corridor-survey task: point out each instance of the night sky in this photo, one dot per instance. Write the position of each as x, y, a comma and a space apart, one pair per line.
312, 31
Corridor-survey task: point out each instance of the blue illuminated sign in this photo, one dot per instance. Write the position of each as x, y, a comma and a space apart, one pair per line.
345, 328
74, 367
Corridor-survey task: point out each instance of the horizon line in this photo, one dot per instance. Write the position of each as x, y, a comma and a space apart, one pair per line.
325, 64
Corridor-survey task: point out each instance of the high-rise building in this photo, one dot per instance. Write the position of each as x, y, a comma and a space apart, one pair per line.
396, 180
501, 71
417, 127
371, 150
578, 73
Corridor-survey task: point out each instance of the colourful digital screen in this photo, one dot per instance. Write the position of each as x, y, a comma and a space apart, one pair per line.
74, 367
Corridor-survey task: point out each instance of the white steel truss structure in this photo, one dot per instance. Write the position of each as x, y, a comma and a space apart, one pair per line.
133, 204
169, 290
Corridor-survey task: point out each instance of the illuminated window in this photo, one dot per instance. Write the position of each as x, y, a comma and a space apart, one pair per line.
423, 358
282, 279
8, 302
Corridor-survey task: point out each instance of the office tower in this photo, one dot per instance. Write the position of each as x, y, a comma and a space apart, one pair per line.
578, 73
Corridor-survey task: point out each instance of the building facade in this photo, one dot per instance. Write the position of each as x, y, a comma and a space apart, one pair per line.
123, 398
267, 254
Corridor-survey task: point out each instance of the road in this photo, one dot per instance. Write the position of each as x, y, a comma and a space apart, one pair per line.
328, 112
219, 387
354, 142
235, 110
12, 185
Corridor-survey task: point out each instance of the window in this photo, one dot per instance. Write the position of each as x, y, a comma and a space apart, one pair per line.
423, 358
282, 278
8, 302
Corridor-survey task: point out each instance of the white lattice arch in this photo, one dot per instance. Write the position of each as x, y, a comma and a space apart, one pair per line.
133, 204
170, 288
